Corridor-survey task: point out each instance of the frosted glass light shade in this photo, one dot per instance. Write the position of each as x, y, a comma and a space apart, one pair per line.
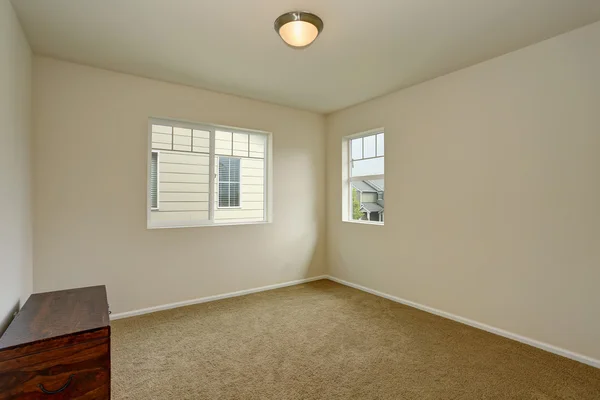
298, 29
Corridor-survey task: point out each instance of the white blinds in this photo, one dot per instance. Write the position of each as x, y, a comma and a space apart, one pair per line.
154, 181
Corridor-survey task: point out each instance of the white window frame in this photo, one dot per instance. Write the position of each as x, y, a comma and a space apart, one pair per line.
347, 177
157, 208
218, 174
211, 128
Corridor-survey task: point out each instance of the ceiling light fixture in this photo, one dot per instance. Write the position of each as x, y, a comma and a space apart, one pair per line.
298, 29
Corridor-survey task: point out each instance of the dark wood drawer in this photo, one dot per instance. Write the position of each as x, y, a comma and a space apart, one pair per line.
82, 371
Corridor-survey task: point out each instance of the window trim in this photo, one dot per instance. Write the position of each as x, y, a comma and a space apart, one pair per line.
212, 128
157, 208
347, 177
219, 207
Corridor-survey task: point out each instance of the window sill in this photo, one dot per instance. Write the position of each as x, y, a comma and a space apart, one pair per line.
375, 223
151, 227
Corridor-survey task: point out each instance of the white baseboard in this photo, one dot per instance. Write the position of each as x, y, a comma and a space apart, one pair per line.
540, 345
213, 298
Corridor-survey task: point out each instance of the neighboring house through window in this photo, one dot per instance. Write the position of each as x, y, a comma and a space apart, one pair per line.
370, 199
206, 175
364, 178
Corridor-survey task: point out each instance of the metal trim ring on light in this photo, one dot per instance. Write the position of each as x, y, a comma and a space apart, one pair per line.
299, 16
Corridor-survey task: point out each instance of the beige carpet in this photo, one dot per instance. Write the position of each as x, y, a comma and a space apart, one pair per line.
323, 340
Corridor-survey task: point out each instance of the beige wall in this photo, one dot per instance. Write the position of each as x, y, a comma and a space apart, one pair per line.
15, 182
492, 193
90, 144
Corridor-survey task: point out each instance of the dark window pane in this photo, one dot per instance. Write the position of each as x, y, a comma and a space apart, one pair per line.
234, 170
234, 195
223, 169
154, 181
223, 194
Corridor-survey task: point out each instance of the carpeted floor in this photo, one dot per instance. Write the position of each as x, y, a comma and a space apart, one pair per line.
322, 340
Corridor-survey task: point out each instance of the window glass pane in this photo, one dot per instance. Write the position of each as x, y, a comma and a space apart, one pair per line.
234, 195
357, 147
223, 143
201, 141
223, 194
182, 132
373, 166
201, 146
240, 137
221, 135
182, 184
240, 144
162, 137
182, 139
162, 129
201, 134
369, 146
257, 145
234, 169
246, 192
368, 200
223, 169
380, 145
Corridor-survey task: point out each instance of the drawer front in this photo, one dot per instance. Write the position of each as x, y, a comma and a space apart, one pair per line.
81, 372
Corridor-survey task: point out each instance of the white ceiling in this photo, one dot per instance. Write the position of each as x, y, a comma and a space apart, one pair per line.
367, 48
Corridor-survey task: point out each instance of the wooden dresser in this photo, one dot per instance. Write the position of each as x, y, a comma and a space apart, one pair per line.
58, 347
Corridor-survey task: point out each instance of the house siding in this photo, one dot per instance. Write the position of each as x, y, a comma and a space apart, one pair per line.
252, 184
183, 186
369, 198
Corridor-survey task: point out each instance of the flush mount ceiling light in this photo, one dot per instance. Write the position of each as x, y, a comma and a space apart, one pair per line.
298, 29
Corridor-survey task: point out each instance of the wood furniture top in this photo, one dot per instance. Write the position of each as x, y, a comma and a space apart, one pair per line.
58, 346
58, 314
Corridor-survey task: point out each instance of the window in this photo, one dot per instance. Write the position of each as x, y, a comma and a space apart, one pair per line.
154, 181
364, 180
202, 175
229, 182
